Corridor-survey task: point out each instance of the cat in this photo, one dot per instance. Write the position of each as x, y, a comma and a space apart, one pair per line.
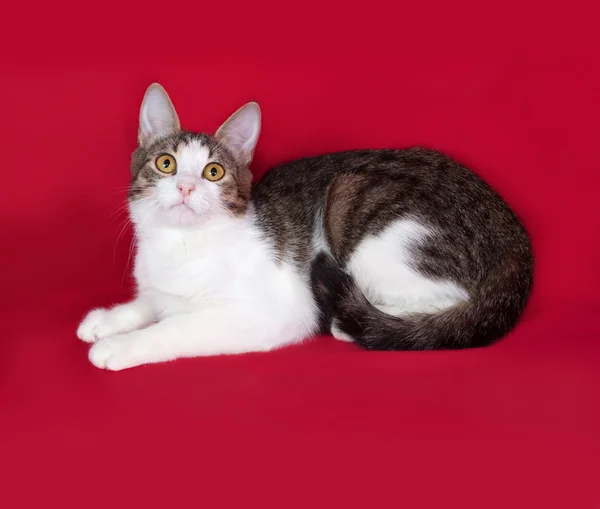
390, 249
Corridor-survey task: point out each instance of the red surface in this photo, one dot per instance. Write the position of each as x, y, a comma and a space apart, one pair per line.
511, 90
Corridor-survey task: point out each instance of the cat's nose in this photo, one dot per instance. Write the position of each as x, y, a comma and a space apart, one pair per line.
185, 189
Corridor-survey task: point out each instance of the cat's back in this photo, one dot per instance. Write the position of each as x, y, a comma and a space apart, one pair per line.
288, 200
307, 179
292, 186
360, 192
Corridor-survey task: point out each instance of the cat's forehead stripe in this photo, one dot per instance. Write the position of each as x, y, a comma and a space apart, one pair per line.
192, 154
181, 140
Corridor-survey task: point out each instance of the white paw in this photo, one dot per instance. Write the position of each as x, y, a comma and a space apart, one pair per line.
338, 334
115, 353
103, 323
96, 325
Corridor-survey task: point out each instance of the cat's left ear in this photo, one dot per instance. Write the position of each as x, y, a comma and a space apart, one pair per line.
240, 132
158, 117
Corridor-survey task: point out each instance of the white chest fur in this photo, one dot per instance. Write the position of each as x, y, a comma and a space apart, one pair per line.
231, 268
196, 265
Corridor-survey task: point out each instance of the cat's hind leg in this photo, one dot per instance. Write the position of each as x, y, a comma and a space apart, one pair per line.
383, 270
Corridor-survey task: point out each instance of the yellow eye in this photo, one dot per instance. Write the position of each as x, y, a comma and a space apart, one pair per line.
166, 163
213, 172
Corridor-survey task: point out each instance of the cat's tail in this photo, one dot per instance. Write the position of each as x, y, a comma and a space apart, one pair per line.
489, 314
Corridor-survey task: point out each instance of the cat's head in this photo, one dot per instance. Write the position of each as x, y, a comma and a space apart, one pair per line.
185, 179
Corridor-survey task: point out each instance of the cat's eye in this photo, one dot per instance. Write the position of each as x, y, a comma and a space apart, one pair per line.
213, 172
166, 163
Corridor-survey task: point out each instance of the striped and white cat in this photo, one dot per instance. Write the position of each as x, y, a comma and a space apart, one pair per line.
391, 249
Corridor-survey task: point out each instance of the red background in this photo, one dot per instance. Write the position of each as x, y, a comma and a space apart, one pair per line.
511, 89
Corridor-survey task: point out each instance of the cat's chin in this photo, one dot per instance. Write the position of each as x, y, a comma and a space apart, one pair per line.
183, 215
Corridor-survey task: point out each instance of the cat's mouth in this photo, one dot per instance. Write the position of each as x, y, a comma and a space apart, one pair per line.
183, 206
183, 213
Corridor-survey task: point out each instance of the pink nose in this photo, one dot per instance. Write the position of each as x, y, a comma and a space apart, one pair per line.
186, 189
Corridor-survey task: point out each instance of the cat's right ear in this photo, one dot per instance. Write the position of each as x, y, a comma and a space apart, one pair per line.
158, 117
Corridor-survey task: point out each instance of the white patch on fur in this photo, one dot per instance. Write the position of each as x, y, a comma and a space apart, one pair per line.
381, 268
319, 241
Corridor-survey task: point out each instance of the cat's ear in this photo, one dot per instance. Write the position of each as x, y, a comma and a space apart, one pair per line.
158, 117
240, 132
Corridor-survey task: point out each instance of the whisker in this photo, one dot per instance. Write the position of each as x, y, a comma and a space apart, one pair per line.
122, 231
121, 190
136, 231
119, 211
125, 208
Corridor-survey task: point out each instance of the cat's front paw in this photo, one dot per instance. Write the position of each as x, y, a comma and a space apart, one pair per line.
115, 353
98, 324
